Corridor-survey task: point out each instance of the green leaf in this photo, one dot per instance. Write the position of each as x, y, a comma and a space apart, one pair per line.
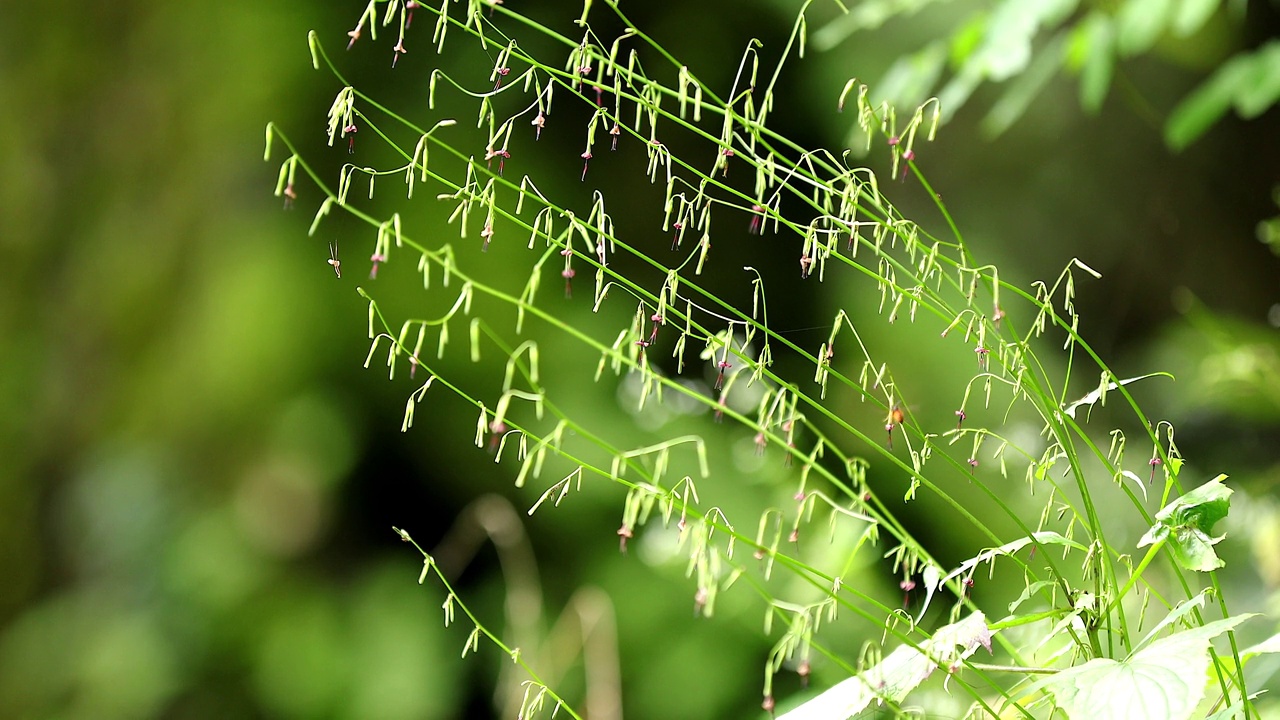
1259, 87
1028, 592
1176, 614
957, 91
1191, 15
1228, 713
967, 39
866, 15
1044, 537
1096, 395
909, 81
1013, 104
1006, 47
1165, 681
1206, 104
899, 673
1099, 62
1006, 43
1187, 523
1140, 24
1270, 645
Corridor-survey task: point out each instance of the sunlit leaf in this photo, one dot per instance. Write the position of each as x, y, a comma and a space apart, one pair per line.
1096, 395
1133, 477
932, 580
1028, 592
1230, 712
865, 15
911, 78
1186, 606
1187, 525
1165, 681
1017, 98
1207, 104
1040, 538
894, 677
966, 40
1006, 45
1140, 24
1191, 15
1099, 61
957, 91
1259, 87
1270, 645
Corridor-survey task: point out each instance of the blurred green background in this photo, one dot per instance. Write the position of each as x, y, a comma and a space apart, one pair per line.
199, 479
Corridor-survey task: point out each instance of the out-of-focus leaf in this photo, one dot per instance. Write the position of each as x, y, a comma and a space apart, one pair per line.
1232, 366
1006, 46
911, 78
1078, 46
393, 679
1013, 104
1259, 88
298, 670
864, 16
998, 47
1187, 524
966, 40
1097, 38
1162, 682
1140, 23
1052, 12
1191, 15
1268, 232
1209, 102
957, 91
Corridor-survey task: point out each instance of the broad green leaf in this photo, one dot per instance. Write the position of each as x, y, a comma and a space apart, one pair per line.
1259, 88
1187, 523
1165, 681
1191, 15
894, 677
1024, 88
1140, 23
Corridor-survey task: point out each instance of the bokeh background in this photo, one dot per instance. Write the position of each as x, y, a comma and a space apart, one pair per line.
198, 479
